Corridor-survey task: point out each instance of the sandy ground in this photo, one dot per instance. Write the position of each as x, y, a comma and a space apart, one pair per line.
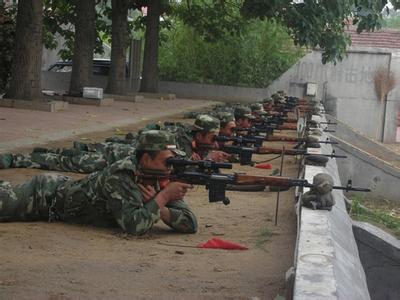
64, 261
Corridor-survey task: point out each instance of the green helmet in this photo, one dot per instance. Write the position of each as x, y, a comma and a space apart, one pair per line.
225, 117
158, 140
206, 123
258, 108
243, 112
267, 100
281, 93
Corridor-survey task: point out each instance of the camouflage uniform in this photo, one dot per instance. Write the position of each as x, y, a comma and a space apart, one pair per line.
205, 124
257, 109
243, 112
225, 117
106, 198
184, 133
83, 158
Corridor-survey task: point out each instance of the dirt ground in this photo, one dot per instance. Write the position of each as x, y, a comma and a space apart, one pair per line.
64, 261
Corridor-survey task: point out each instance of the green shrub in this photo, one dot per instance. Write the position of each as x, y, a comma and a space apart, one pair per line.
260, 54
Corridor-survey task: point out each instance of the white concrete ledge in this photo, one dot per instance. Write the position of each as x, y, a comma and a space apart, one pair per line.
327, 262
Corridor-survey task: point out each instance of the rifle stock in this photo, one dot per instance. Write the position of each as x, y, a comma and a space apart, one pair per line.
242, 179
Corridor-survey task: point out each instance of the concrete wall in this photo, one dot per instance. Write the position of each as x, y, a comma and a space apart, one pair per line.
380, 257
348, 89
370, 171
213, 92
327, 262
59, 81
368, 163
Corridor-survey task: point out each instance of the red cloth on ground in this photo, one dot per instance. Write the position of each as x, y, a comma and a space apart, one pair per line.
264, 166
216, 243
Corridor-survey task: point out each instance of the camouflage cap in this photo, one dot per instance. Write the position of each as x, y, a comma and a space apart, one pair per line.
267, 100
275, 97
281, 93
206, 123
243, 112
258, 108
225, 117
158, 140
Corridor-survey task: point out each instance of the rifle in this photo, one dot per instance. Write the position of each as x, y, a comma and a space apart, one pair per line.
279, 119
268, 129
257, 140
245, 153
207, 166
243, 140
216, 182
277, 123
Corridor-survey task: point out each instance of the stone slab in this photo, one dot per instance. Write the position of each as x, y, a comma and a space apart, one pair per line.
126, 98
161, 96
82, 101
41, 105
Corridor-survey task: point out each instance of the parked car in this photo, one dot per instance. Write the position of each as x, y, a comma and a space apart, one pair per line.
100, 67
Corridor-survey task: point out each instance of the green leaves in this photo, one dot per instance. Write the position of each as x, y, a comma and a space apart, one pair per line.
261, 53
211, 19
7, 34
320, 23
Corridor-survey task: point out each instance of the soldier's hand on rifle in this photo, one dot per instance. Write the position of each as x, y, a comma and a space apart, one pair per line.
148, 192
195, 156
218, 156
172, 192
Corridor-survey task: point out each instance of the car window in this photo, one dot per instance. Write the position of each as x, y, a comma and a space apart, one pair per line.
64, 69
98, 69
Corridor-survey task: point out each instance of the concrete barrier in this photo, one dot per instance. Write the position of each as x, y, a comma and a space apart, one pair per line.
327, 262
380, 256
369, 163
213, 92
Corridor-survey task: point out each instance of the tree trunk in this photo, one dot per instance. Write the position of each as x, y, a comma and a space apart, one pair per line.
150, 60
27, 59
85, 34
117, 76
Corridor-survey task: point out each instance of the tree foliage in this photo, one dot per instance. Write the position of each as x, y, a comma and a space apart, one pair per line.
7, 36
311, 23
258, 55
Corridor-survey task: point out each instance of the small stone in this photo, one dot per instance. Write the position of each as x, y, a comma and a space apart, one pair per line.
217, 269
217, 233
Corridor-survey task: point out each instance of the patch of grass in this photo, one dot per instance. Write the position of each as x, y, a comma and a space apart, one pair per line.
264, 237
381, 213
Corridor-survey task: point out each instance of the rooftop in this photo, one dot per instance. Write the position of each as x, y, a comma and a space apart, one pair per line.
384, 38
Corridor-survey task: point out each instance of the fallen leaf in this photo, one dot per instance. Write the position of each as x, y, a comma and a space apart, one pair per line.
217, 233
